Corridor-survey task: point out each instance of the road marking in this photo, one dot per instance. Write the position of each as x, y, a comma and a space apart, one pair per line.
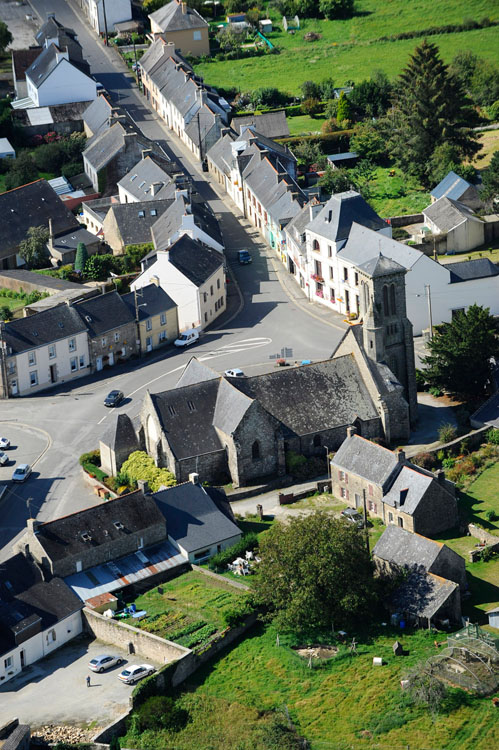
15, 423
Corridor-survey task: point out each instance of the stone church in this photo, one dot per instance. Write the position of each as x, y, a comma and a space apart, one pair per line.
241, 428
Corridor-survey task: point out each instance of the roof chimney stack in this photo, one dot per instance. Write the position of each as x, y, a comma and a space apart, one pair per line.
351, 431
184, 8
194, 478
143, 486
401, 456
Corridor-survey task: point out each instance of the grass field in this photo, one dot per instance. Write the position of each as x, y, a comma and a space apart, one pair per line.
304, 124
12, 304
192, 599
344, 702
348, 51
398, 195
490, 143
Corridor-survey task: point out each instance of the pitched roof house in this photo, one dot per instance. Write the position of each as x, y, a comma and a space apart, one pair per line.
53, 79
396, 490
464, 231
184, 216
156, 314
456, 188
436, 575
131, 223
183, 26
270, 124
146, 181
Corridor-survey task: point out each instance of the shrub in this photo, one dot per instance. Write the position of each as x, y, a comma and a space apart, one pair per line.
487, 554
435, 391
493, 436
425, 460
161, 712
448, 463
5, 313
492, 516
466, 467
220, 561
92, 457
294, 462
95, 471
189, 641
447, 433
311, 107
141, 466
237, 613
421, 383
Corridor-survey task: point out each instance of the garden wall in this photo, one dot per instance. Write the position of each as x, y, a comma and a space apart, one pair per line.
474, 440
403, 221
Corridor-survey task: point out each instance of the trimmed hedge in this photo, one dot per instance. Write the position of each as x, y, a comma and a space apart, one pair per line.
468, 25
92, 457
95, 471
219, 562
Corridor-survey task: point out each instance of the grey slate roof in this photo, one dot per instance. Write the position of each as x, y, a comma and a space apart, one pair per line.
479, 268
230, 408
372, 462
135, 220
151, 300
221, 152
69, 241
171, 221
44, 282
195, 261
422, 594
196, 372
201, 125
340, 212
270, 124
171, 18
32, 205
186, 415
447, 214
452, 186
122, 433
410, 484
363, 244
105, 146
97, 114
400, 547
26, 598
193, 519
104, 313
140, 179
42, 328
381, 266
62, 537
46, 62
22, 59
314, 397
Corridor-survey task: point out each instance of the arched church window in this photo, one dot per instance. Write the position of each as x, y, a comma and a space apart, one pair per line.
317, 441
392, 300
386, 304
255, 450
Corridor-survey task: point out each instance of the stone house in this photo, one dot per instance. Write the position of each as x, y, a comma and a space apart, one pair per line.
125, 224
37, 616
111, 327
182, 26
156, 315
457, 189
396, 491
435, 576
120, 440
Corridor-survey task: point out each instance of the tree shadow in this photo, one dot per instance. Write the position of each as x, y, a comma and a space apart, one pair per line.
470, 508
482, 592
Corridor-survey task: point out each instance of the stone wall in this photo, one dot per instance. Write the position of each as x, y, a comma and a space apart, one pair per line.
474, 439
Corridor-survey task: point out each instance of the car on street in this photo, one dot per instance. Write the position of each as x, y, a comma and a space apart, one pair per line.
353, 515
187, 338
21, 473
103, 662
235, 373
114, 398
244, 257
135, 672
4, 443
3, 458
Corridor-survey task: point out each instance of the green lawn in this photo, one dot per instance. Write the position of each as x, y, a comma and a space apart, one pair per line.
344, 702
398, 195
304, 124
482, 496
189, 600
491, 253
348, 51
12, 304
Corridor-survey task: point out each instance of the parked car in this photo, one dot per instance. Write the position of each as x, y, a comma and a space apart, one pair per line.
187, 338
204, 165
114, 398
4, 443
103, 662
135, 672
244, 257
3, 458
21, 473
353, 515
235, 373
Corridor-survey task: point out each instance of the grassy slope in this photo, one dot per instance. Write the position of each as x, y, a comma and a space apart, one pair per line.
394, 196
490, 143
346, 51
12, 304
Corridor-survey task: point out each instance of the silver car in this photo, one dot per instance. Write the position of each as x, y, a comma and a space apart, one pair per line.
21, 473
4, 442
103, 662
135, 672
3, 458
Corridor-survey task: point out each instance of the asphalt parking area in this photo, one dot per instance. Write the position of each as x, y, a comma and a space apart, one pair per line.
26, 444
54, 690
22, 22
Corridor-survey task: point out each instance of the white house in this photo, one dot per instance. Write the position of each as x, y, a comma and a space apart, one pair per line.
44, 349
104, 14
6, 150
146, 181
463, 229
36, 616
52, 79
187, 217
192, 275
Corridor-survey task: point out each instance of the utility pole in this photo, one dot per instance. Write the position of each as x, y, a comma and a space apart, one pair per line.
428, 296
366, 530
199, 136
4, 384
105, 20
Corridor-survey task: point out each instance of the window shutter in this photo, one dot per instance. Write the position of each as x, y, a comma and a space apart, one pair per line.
348, 494
346, 478
339, 475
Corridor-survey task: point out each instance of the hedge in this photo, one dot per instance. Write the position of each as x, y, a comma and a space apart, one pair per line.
148, 687
219, 562
95, 471
338, 135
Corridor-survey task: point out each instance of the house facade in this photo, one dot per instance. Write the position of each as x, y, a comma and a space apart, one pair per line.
463, 230
156, 314
182, 26
103, 15
52, 79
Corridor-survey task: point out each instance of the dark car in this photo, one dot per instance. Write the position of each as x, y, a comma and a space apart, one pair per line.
244, 257
114, 398
204, 165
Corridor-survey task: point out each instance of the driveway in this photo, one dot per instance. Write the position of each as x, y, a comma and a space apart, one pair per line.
54, 690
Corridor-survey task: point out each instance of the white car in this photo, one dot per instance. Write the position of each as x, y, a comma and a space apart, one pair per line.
21, 473
235, 373
135, 672
103, 662
187, 338
3, 458
4, 443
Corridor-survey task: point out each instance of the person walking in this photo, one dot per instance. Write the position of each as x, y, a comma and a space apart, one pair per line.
88, 680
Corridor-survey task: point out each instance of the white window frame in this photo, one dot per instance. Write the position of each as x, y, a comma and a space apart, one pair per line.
33, 378
31, 358
52, 351
148, 324
72, 345
82, 361
162, 319
73, 364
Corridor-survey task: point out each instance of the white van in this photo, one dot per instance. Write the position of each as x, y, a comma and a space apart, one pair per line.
187, 338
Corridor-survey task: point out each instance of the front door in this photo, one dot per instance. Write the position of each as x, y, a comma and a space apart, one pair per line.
13, 387
111, 358
23, 658
149, 344
53, 373
98, 364
357, 500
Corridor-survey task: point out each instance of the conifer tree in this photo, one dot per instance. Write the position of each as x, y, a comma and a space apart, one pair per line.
430, 109
81, 257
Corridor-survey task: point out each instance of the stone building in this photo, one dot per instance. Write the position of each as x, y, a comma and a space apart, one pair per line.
435, 576
396, 491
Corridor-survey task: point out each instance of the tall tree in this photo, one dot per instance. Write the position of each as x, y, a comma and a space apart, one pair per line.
343, 108
81, 257
460, 353
33, 249
335, 180
5, 37
490, 179
315, 572
430, 109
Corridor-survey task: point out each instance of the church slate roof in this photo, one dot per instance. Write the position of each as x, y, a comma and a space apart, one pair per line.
196, 372
381, 266
363, 244
366, 459
230, 408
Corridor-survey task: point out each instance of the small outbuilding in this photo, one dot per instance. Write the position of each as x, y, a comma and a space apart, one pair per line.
265, 25
6, 150
345, 159
493, 615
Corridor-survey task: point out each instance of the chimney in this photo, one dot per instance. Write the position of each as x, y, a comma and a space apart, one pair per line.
145, 152
224, 131
32, 524
194, 478
184, 8
440, 475
155, 280
351, 431
403, 495
401, 456
263, 153
143, 486
51, 235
